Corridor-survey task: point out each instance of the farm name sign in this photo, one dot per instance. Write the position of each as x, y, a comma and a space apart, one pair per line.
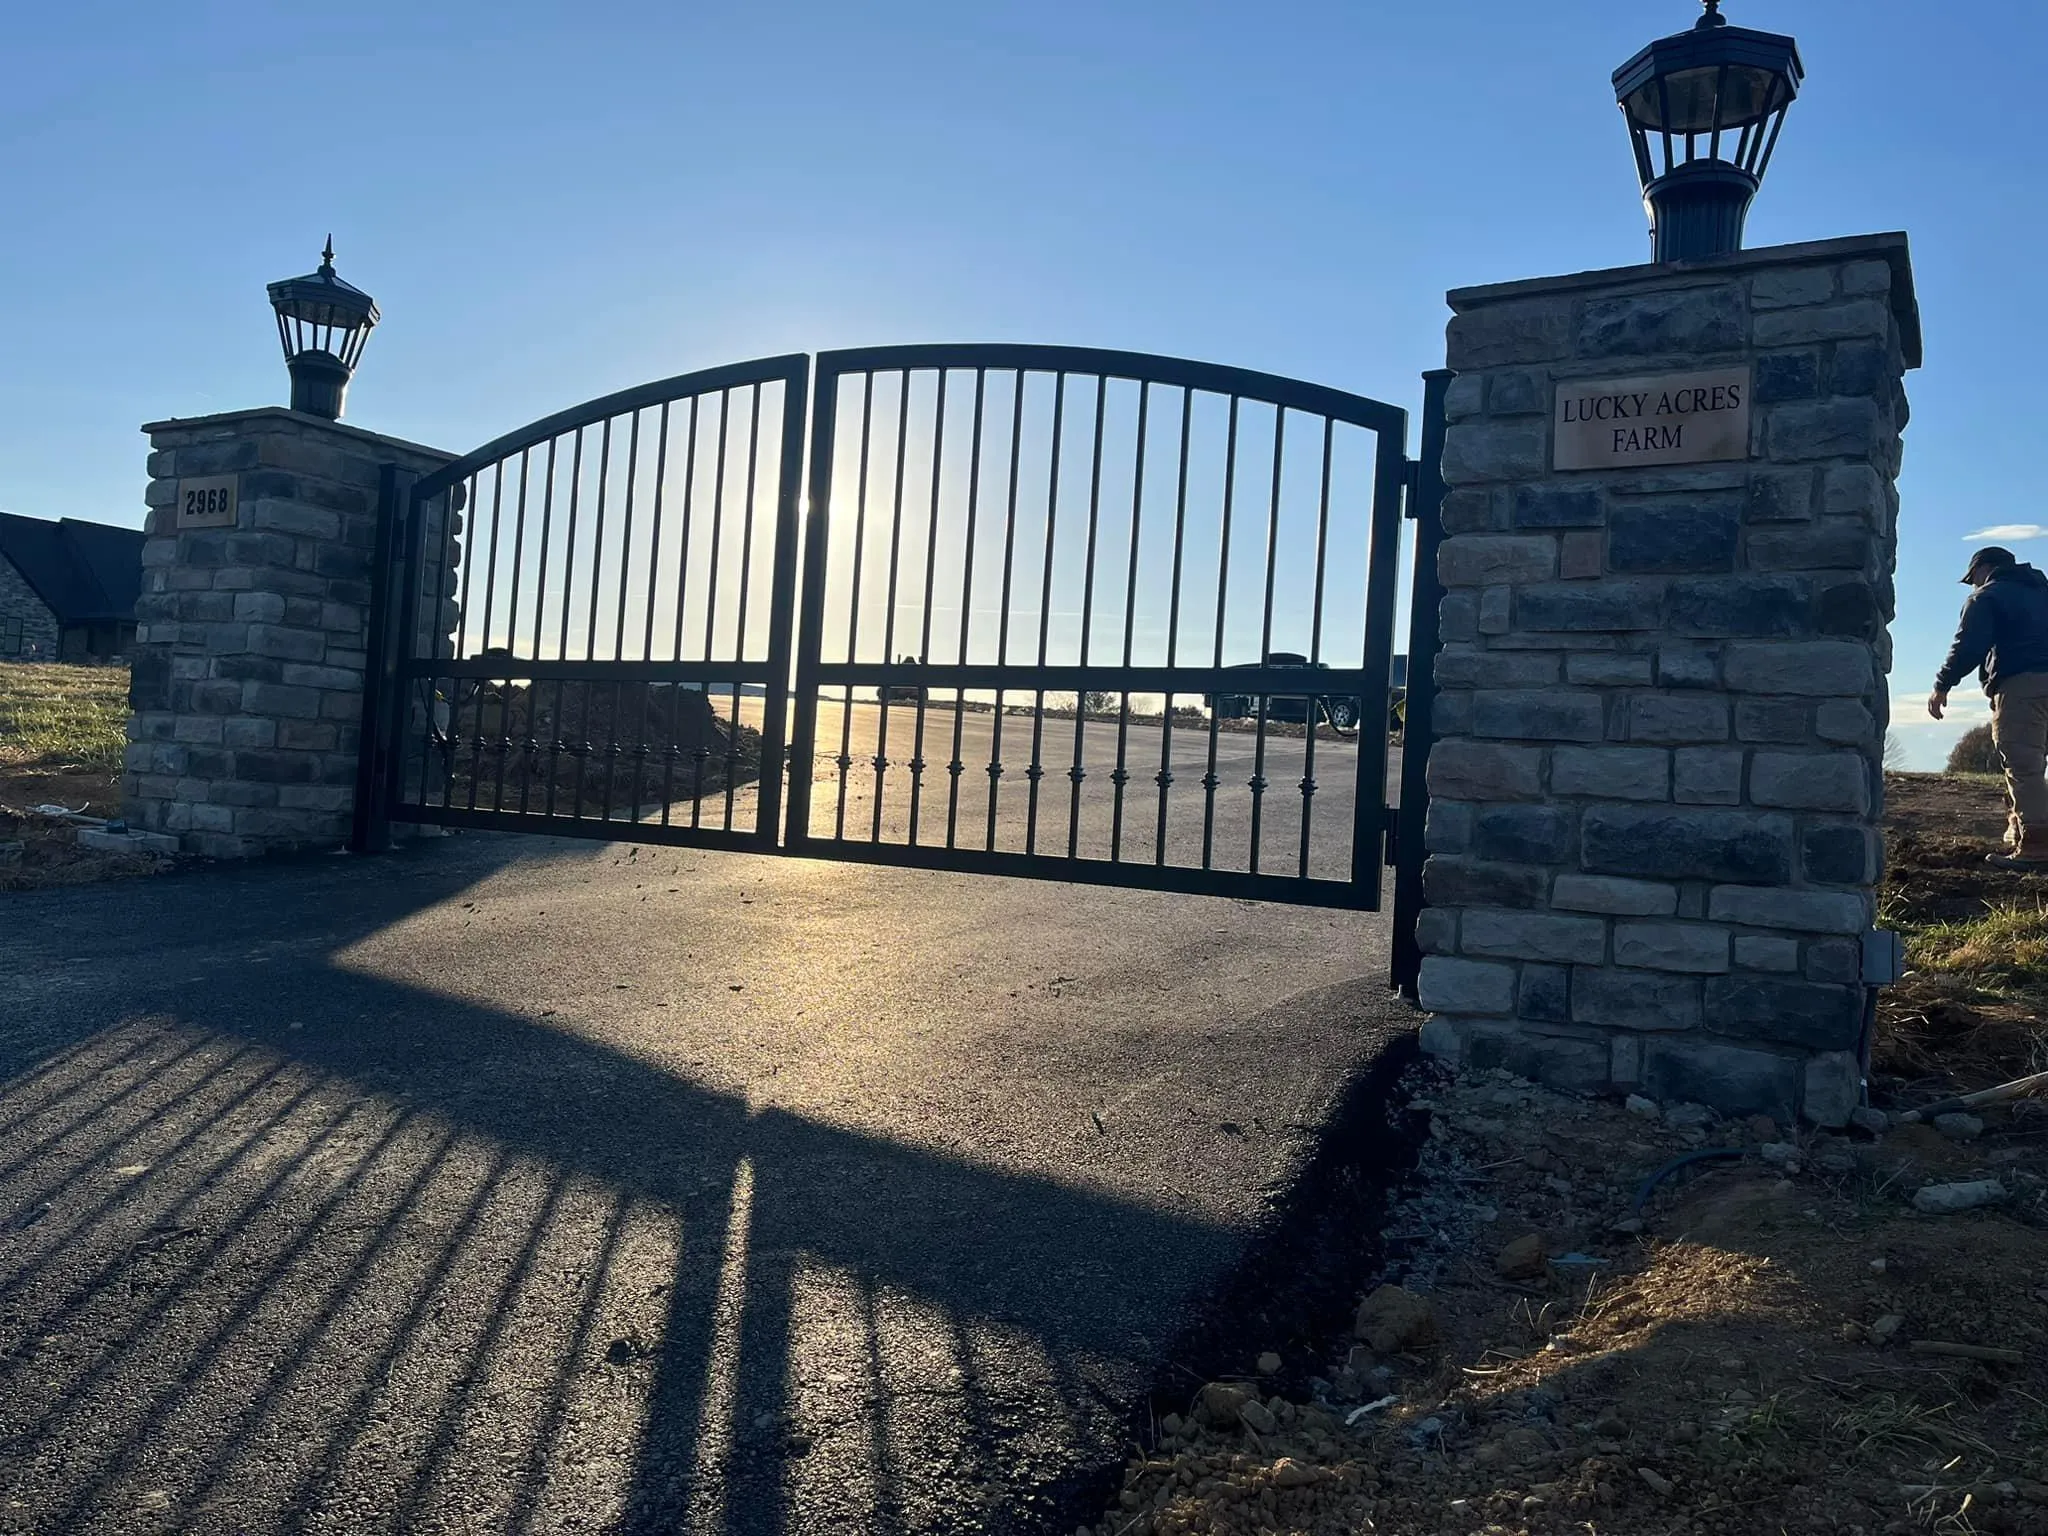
1666, 418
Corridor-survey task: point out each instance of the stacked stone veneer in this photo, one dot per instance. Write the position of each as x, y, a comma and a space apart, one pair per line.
1653, 839
251, 641
19, 603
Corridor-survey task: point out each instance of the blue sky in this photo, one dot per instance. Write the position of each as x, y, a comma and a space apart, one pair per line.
553, 201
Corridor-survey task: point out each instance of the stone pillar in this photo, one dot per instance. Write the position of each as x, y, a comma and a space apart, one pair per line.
1657, 778
252, 633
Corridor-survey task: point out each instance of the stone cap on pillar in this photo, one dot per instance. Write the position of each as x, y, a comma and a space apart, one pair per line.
278, 415
1891, 248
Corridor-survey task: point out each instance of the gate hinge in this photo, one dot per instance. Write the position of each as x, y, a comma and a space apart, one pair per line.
1390, 820
1411, 486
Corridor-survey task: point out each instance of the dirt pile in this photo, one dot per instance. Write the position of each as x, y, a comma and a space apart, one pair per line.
1771, 1340
1970, 1011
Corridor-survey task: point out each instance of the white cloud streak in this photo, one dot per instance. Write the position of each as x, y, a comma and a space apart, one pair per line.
2009, 531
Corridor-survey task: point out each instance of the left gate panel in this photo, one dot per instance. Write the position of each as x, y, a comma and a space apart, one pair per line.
594, 618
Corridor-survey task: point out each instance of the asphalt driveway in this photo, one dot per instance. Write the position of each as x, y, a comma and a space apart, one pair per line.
509, 1185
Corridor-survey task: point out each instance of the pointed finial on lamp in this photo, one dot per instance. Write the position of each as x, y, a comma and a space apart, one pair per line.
327, 251
1713, 18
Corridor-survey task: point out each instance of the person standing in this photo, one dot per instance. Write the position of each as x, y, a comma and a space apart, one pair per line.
2004, 637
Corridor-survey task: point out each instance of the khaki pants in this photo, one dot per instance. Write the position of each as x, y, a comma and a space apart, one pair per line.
2019, 728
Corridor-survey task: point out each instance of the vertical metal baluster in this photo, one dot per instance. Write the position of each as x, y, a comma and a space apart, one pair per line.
995, 766
647, 641
672, 750
747, 514
699, 756
860, 538
955, 768
717, 522
580, 751
617, 746
547, 519
490, 570
1077, 773
683, 530
439, 643
1036, 771
924, 639
682, 593
562, 643
468, 563
512, 642
604, 469
1164, 778
626, 536
1209, 779
476, 698
644, 687
1258, 779
540, 603
1122, 775
654, 540
889, 615
1315, 648
732, 754
711, 577
604, 474
739, 644
611, 752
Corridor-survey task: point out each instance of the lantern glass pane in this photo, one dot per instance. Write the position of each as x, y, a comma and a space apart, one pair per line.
1748, 95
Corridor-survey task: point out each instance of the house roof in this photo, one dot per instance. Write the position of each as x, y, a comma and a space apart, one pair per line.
85, 573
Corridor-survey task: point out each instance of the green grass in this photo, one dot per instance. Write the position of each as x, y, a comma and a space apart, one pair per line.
54, 718
2004, 950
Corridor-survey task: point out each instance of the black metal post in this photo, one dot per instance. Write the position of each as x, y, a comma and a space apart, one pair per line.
1418, 727
371, 831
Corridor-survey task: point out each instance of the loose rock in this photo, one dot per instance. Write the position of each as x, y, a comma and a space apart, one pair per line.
1392, 1319
1643, 1108
1947, 1199
1221, 1401
1521, 1259
1959, 1127
1268, 1363
1256, 1416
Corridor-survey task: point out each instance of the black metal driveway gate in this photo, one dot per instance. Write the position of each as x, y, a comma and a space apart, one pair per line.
581, 608
1093, 616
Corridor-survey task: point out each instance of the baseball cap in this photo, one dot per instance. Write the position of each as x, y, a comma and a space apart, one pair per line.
1993, 555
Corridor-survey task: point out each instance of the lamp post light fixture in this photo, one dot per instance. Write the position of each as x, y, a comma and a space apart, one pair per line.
323, 323
1712, 99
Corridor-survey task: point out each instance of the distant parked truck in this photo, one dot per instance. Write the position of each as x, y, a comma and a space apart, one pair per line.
1338, 711
903, 693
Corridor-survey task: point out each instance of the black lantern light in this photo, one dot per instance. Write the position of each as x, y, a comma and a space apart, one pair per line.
1714, 98
323, 323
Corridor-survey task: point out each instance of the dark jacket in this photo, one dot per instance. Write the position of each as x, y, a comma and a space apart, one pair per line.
2004, 631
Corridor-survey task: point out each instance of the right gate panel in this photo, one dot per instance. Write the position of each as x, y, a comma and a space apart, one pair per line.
1098, 616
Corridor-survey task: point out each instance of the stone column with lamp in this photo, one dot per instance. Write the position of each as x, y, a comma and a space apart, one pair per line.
1670, 537
252, 630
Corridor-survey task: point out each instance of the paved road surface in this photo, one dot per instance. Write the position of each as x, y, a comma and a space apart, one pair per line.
509, 1185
